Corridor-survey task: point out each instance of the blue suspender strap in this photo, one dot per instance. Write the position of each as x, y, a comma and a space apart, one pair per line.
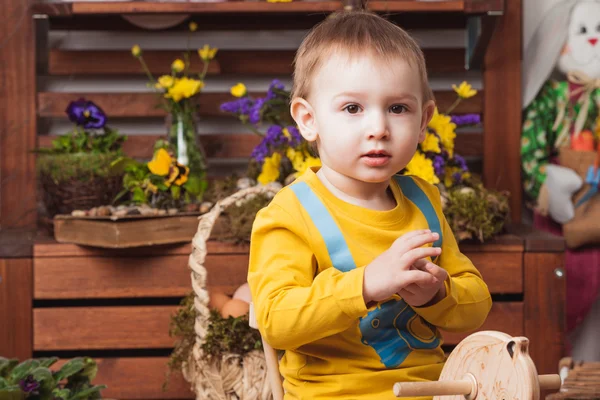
415, 194
335, 242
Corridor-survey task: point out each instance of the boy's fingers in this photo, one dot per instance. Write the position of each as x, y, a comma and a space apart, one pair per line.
417, 277
412, 234
411, 257
414, 239
421, 264
436, 271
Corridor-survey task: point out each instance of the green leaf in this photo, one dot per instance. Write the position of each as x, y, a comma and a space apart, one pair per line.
175, 192
47, 361
3, 383
63, 394
12, 393
7, 365
23, 369
121, 163
87, 392
44, 376
139, 196
195, 185
70, 368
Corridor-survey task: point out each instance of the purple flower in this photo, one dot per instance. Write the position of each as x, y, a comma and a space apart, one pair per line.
239, 106
466, 119
255, 110
86, 113
438, 165
275, 84
461, 162
29, 384
274, 136
260, 152
457, 176
296, 138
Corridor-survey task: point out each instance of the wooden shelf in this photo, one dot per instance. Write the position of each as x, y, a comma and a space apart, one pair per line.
243, 7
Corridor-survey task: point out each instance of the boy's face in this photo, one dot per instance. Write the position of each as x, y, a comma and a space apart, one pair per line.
366, 116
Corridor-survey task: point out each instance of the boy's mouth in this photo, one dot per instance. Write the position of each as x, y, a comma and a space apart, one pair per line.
376, 158
376, 154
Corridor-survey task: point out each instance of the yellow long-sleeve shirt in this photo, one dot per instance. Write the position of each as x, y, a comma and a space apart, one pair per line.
307, 257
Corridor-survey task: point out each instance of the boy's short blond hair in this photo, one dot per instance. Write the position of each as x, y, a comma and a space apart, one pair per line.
354, 33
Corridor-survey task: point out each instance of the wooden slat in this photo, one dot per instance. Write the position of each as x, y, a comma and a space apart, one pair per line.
254, 62
503, 272
18, 207
240, 145
51, 248
137, 378
15, 308
88, 328
502, 123
504, 317
126, 277
54, 104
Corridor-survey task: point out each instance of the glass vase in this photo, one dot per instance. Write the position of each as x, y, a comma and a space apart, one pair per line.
183, 139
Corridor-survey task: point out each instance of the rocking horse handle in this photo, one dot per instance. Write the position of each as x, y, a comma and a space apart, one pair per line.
466, 387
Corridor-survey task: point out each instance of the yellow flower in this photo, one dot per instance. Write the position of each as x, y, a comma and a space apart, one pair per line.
207, 53
165, 82
136, 51
193, 26
178, 175
449, 175
464, 90
445, 129
238, 90
161, 163
150, 187
270, 169
184, 88
178, 65
431, 143
422, 167
301, 161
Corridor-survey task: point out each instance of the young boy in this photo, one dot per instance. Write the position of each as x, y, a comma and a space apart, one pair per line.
353, 269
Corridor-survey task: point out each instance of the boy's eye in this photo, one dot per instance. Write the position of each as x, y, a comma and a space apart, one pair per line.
352, 108
398, 109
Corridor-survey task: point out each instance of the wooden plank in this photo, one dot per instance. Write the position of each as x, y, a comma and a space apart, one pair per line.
51, 248
15, 308
504, 317
89, 328
16, 243
240, 145
53, 104
503, 272
248, 62
126, 233
132, 7
128, 277
416, 6
485, 6
18, 206
545, 299
502, 123
138, 378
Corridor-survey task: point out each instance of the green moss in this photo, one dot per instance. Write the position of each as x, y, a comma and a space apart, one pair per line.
79, 166
238, 220
476, 212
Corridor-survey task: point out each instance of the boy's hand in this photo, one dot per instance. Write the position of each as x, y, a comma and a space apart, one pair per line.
428, 294
393, 270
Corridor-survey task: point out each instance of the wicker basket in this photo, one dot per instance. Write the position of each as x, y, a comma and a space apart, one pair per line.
82, 191
229, 378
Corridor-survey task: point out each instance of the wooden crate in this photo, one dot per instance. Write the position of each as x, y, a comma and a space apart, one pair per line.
106, 301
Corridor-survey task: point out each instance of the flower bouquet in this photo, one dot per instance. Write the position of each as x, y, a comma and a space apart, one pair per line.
75, 173
283, 154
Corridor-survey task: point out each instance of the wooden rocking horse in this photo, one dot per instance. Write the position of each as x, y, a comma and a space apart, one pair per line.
486, 365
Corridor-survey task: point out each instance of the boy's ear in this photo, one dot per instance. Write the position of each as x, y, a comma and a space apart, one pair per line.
428, 110
304, 115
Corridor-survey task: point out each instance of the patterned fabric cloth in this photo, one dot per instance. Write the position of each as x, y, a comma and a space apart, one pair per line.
540, 130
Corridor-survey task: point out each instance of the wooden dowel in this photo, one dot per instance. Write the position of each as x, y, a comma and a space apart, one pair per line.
549, 382
273, 371
443, 388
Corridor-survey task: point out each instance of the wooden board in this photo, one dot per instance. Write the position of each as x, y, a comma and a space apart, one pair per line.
126, 233
141, 327
241, 145
53, 104
503, 272
139, 378
15, 308
244, 62
131, 277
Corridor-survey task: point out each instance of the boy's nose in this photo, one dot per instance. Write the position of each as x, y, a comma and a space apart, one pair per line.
377, 128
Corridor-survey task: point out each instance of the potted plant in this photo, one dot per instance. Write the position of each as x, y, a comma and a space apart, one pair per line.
75, 173
33, 379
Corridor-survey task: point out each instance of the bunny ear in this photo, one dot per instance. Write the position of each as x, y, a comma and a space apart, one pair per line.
542, 51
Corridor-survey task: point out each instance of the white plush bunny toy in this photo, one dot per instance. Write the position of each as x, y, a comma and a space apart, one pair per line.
561, 81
